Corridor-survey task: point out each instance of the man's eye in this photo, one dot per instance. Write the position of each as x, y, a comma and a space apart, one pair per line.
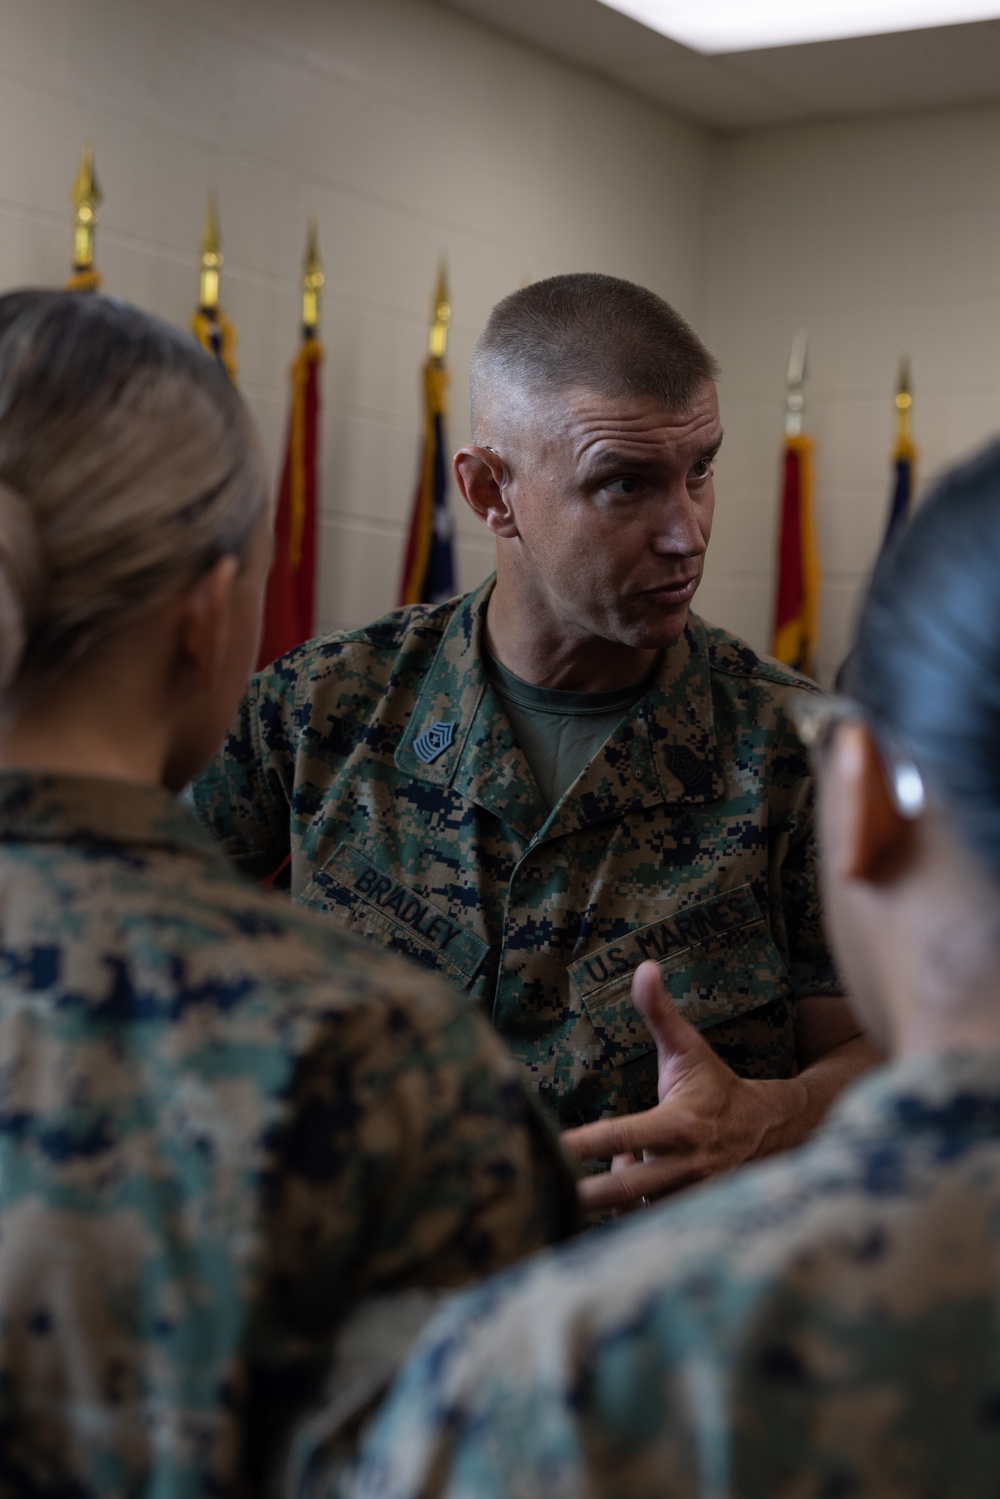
702, 469
622, 486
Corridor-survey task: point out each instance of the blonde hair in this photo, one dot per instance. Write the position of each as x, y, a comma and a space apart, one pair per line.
128, 466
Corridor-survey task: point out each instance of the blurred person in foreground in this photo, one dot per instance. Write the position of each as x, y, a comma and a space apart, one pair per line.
537, 786
827, 1323
222, 1123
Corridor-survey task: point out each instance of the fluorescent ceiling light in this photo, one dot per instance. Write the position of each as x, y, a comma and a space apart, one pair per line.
742, 25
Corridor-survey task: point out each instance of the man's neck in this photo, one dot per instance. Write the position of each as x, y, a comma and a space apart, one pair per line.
550, 655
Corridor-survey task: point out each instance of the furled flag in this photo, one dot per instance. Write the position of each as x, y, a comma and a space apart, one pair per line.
291, 583
797, 603
428, 565
210, 326
904, 460
86, 199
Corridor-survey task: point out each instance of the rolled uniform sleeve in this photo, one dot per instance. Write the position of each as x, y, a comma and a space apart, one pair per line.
796, 914
243, 796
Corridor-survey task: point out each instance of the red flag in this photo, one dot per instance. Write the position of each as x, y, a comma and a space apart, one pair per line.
796, 610
291, 585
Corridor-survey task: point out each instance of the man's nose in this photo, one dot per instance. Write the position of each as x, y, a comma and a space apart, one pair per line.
679, 529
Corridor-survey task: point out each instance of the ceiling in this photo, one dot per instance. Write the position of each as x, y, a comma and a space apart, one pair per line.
938, 68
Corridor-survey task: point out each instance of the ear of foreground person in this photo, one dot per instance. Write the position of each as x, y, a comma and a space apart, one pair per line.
223, 1124
826, 1323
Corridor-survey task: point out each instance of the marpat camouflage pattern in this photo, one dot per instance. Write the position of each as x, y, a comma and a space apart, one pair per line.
222, 1123
825, 1324
383, 762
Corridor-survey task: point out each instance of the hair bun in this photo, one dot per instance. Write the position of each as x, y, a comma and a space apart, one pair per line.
22, 580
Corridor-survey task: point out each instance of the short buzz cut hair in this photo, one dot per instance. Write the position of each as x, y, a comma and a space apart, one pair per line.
593, 332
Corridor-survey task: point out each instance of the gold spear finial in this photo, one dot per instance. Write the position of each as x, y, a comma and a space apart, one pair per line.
441, 315
795, 384
904, 401
86, 198
312, 280
211, 257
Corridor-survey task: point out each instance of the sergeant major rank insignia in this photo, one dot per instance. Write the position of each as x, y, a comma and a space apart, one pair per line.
434, 741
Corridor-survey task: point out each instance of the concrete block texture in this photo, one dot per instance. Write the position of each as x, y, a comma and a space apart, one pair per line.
411, 132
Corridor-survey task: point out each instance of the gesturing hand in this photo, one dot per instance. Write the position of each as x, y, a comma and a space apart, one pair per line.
706, 1121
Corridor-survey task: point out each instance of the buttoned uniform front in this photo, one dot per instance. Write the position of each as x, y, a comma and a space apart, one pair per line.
223, 1125
824, 1323
688, 838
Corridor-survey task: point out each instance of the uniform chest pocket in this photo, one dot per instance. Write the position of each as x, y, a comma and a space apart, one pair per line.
719, 963
380, 908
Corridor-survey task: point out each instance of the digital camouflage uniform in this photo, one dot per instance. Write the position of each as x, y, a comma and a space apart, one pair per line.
222, 1123
821, 1326
382, 760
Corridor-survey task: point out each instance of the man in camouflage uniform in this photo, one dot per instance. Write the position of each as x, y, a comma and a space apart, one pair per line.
535, 787
222, 1125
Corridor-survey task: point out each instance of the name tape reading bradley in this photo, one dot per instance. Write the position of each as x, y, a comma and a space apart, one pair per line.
351, 880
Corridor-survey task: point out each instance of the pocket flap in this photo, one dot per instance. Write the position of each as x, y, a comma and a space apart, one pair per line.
717, 959
388, 913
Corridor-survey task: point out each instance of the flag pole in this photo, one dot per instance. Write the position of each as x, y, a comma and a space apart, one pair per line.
211, 258
210, 326
904, 456
313, 281
440, 316
795, 384
903, 404
86, 198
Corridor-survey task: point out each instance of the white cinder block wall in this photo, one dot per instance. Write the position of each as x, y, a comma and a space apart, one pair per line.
882, 238
410, 132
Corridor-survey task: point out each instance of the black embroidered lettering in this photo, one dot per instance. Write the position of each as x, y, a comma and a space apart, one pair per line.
394, 901
596, 962
650, 942
617, 959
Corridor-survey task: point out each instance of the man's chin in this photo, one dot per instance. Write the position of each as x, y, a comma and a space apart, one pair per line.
656, 635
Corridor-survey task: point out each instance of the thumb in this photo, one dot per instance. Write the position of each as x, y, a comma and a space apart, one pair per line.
676, 1040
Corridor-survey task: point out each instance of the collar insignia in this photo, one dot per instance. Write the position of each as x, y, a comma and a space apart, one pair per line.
434, 741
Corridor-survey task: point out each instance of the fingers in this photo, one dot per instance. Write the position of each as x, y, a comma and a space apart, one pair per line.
608, 1137
624, 1190
661, 1129
623, 1162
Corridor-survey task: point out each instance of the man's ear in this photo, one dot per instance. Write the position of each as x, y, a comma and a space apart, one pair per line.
205, 617
482, 478
873, 841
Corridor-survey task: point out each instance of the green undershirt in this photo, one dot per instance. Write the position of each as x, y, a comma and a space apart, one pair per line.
560, 732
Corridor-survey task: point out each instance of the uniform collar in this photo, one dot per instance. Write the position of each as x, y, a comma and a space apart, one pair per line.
663, 751
952, 1092
36, 808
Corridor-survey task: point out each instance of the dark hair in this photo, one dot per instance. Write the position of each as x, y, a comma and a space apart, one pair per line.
594, 332
926, 664
128, 465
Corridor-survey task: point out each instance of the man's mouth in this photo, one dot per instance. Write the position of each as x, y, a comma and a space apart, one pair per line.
677, 592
